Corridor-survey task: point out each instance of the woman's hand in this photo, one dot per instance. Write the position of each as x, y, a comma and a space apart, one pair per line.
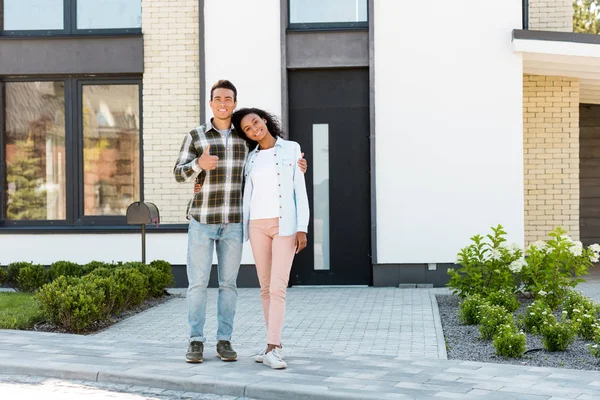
302, 163
197, 188
300, 241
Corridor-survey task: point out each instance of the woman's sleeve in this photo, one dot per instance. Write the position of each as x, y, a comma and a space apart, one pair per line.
302, 210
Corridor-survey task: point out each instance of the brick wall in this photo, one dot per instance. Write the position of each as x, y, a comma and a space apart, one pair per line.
551, 155
171, 98
551, 15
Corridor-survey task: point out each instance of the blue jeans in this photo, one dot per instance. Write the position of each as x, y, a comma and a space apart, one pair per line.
201, 243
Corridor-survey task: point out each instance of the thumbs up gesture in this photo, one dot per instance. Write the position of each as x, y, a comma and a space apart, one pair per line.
206, 161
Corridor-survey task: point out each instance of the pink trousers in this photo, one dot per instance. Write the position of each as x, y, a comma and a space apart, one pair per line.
273, 255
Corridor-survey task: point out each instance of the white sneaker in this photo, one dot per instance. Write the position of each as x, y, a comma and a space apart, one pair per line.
274, 360
260, 357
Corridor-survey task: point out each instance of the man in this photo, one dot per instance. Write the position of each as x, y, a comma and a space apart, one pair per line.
214, 155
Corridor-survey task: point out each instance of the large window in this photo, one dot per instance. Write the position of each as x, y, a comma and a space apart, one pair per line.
69, 151
34, 149
69, 17
328, 13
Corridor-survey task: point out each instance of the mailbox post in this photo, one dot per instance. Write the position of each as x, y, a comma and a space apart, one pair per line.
142, 213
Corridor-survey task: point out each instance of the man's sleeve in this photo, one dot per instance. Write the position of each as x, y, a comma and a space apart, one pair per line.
187, 168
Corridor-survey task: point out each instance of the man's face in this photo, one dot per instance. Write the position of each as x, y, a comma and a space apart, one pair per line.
222, 103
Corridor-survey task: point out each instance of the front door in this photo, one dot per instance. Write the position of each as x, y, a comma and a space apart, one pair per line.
329, 117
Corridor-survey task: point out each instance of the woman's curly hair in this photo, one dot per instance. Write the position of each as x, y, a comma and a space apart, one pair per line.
273, 125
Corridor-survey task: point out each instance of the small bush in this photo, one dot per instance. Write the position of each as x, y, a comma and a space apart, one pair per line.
468, 309
164, 266
64, 268
31, 278
558, 336
103, 272
536, 313
595, 346
3, 276
92, 266
504, 299
509, 343
73, 303
491, 318
114, 293
13, 273
486, 265
136, 284
577, 301
157, 279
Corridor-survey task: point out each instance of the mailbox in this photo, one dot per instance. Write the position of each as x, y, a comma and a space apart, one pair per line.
142, 213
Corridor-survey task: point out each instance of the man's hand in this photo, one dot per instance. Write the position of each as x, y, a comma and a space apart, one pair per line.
300, 241
206, 161
197, 188
302, 163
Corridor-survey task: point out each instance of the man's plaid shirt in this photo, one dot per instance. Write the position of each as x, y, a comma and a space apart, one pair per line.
220, 199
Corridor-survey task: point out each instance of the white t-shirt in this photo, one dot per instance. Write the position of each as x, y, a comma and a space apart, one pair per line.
265, 197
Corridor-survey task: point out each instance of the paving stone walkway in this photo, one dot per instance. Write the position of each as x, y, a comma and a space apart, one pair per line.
350, 320
341, 343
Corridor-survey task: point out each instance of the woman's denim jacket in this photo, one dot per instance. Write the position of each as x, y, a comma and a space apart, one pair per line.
293, 200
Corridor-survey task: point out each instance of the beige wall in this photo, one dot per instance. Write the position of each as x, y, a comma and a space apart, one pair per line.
551, 15
171, 98
551, 152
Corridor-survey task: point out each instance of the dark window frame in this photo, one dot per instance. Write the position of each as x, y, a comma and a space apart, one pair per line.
325, 26
70, 27
73, 153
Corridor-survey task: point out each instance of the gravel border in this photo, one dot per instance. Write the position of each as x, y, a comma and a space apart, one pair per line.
463, 343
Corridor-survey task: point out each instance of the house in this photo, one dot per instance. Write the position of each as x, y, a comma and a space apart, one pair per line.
423, 124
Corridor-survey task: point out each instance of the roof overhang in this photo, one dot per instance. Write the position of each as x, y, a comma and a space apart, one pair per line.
573, 55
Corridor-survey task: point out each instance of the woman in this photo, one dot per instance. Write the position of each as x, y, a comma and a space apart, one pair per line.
275, 216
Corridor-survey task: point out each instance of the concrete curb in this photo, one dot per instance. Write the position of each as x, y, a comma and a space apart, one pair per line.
439, 332
260, 389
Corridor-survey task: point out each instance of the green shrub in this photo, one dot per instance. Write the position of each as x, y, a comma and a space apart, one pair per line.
577, 301
491, 318
72, 303
64, 268
13, 273
582, 310
163, 265
3, 276
486, 266
468, 309
555, 266
509, 343
31, 278
113, 291
158, 280
534, 316
136, 284
131, 264
595, 346
92, 266
104, 272
505, 299
558, 336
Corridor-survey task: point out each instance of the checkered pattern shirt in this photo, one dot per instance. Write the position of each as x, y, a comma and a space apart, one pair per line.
220, 199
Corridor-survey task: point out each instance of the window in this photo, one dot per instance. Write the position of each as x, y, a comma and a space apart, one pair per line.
109, 14
328, 13
34, 148
111, 148
69, 17
69, 151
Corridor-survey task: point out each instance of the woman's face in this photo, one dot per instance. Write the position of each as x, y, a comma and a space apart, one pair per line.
254, 127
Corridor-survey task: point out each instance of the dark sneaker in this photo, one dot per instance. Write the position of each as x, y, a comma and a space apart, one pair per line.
225, 352
194, 353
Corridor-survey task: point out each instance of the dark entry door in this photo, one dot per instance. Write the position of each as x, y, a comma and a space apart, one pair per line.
329, 117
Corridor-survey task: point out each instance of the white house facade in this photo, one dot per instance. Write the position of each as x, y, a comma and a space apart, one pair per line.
422, 126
